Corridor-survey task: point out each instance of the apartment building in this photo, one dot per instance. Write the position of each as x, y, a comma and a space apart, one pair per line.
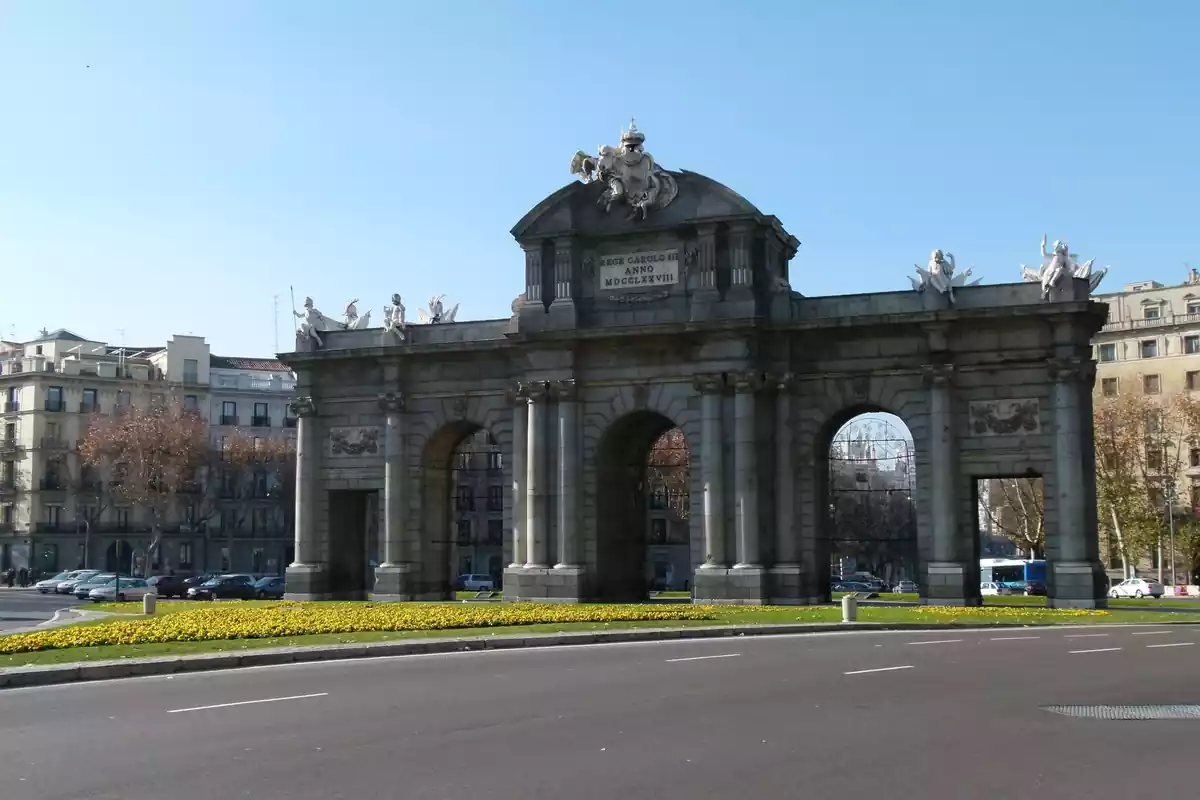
56, 514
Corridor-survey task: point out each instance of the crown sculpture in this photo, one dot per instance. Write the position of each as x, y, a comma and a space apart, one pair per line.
1056, 264
629, 175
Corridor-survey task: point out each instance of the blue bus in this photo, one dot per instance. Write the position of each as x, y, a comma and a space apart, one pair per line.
1009, 570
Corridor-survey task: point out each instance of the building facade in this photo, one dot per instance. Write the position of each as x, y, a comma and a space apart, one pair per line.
56, 513
654, 300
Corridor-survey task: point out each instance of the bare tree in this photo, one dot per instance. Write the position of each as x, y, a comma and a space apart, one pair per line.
1020, 514
248, 469
668, 471
151, 456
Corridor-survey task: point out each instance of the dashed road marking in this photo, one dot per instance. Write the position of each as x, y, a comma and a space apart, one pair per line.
878, 669
249, 702
1172, 644
702, 658
1098, 650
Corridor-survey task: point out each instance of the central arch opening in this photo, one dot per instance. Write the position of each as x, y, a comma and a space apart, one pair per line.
643, 497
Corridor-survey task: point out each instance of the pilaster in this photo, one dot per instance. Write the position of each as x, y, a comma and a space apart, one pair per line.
785, 571
394, 577
307, 576
536, 394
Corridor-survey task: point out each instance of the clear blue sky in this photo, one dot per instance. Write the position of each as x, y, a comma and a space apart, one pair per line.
169, 167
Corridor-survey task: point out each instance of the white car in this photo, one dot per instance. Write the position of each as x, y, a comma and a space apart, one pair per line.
905, 587
128, 589
67, 586
477, 583
51, 584
1137, 587
989, 588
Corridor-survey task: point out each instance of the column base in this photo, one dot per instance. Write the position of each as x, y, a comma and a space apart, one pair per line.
306, 582
951, 583
563, 584
1076, 584
786, 585
736, 586
394, 583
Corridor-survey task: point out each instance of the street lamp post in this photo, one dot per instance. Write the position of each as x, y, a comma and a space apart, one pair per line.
87, 536
1170, 498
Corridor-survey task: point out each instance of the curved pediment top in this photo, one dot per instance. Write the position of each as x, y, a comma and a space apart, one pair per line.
579, 208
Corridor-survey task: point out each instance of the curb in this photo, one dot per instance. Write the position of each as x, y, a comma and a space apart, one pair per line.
20, 677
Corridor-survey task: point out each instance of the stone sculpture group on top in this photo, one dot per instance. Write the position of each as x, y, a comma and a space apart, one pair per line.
629, 175
314, 323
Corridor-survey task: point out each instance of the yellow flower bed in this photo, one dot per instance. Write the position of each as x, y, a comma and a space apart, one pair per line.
235, 621
1015, 612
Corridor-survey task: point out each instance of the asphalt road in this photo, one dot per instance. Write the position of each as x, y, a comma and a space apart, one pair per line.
20, 608
932, 715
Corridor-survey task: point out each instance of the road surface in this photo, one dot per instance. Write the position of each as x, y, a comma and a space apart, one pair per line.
20, 608
950, 715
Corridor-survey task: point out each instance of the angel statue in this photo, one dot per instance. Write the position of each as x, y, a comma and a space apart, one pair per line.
940, 274
437, 313
393, 317
1059, 262
353, 321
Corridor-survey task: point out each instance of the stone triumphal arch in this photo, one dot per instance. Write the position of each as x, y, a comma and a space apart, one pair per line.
656, 299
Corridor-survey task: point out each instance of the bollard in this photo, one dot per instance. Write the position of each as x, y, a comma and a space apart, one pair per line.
849, 608
149, 602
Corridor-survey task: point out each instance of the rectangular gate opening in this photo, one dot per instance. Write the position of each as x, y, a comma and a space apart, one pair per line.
349, 519
1011, 544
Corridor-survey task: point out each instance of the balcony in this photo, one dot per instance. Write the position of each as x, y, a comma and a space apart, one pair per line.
55, 527
53, 443
1158, 322
11, 407
289, 422
260, 422
8, 485
52, 483
89, 408
55, 405
228, 419
10, 445
90, 486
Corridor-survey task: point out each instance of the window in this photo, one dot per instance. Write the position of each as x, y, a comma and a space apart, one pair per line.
229, 520
658, 531
51, 437
189, 514
10, 433
1149, 348
464, 531
37, 350
496, 460
1106, 352
658, 500
224, 559
191, 370
122, 518
191, 403
1194, 457
7, 514
495, 533
1108, 387
1154, 459
1150, 312
465, 499
53, 516
1150, 384
14, 399
258, 520
185, 555
89, 404
1191, 344
1193, 381
495, 500
262, 418
229, 413
157, 401
1193, 307
1195, 495
54, 398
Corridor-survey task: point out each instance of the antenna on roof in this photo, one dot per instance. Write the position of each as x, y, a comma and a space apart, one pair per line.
275, 319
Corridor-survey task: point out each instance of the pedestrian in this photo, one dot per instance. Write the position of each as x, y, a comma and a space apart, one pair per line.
10, 576
23, 577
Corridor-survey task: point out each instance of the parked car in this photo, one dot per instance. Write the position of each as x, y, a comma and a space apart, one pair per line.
83, 588
269, 588
1035, 588
905, 587
476, 583
850, 586
225, 587
125, 589
1137, 587
51, 584
67, 586
169, 585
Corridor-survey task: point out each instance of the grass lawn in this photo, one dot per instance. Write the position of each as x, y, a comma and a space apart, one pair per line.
1022, 600
723, 615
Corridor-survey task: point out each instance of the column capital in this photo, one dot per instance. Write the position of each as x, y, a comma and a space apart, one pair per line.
782, 382
746, 382
303, 406
938, 375
1071, 370
392, 402
565, 391
533, 391
709, 384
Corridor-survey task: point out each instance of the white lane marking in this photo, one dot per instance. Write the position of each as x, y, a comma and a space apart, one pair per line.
1013, 638
1083, 635
1151, 633
936, 641
249, 702
702, 658
880, 669
1172, 644
1099, 650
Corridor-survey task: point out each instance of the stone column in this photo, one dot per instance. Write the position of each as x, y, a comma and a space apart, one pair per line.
785, 572
745, 460
948, 574
568, 474
393, 576
306, 574
535, 478
1073, 559
519, 451
712, 469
